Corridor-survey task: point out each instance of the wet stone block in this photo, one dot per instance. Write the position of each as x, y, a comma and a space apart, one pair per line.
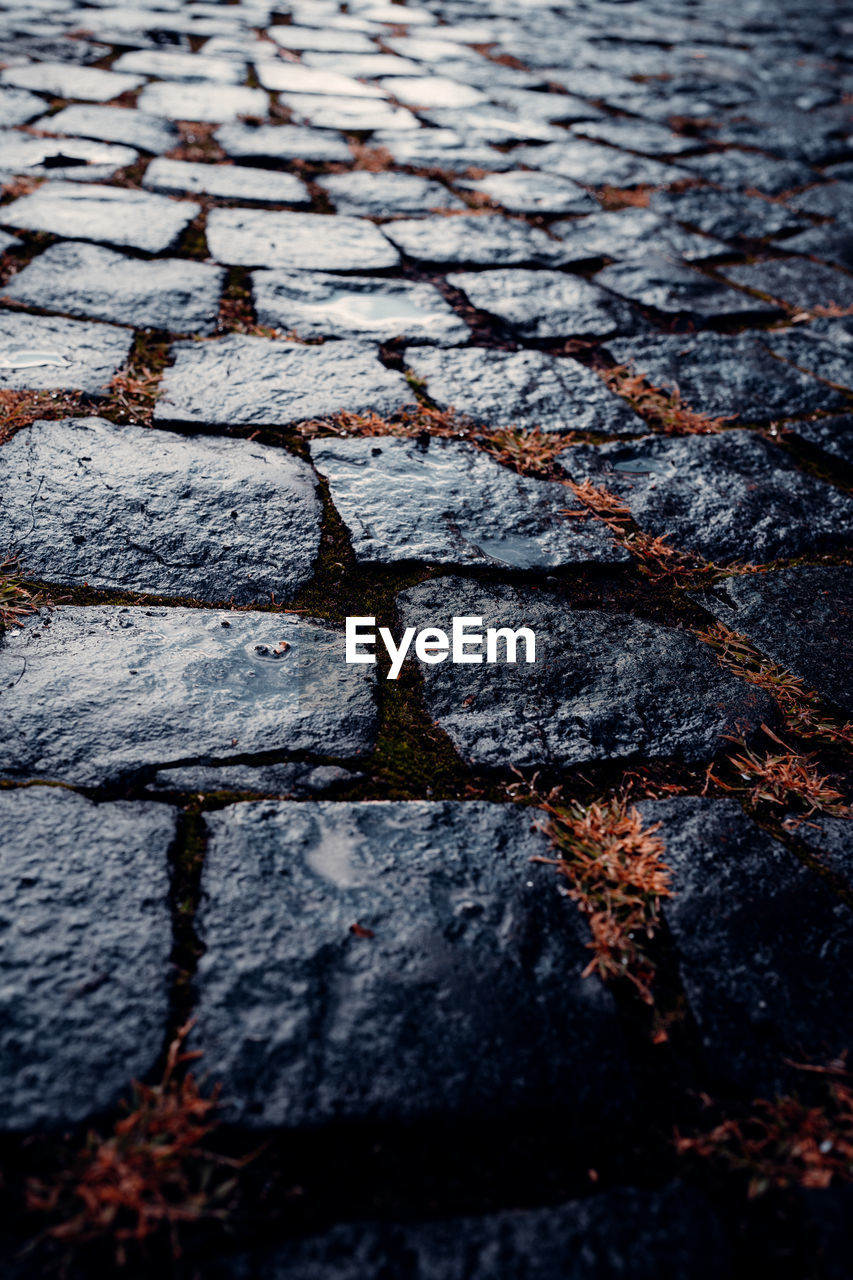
603, 686
793, 281
382, 195
114, 124
545, 304
732, 496
834, 435
632, 233
17, 106
524, 389
763, 946
526, 192
281, 142
448, 502
802, 618
486, 240
80, 159
305, 1021
225, 182
264, 382
203, 102
292, 779
41, 353
742, 170
726, 214
300, 241
97, 694
84, 952
63, 80
116, 215
663, 281
594, 166
89, 280
138, 509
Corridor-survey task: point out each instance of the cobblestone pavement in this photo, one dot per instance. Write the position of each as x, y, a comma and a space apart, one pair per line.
540, 313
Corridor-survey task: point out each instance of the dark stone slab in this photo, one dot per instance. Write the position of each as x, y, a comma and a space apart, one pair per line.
742, 170
305, 1022
108, 692
225, 182
486, 240
596, 166
84, 957
292, 779
447, 502
86, 501
604, 686
383, 195
113, 124
92, 281
763, 946
545, 304
834, 435
446, 149
524, 389
829, 839
823, 349
281, 142
116, 215
835, 246
663, 281
43, 352
830, 200
726, 214
300, 241
800, 284
241, 379
733, 496
800, 617
633, 233
639, 135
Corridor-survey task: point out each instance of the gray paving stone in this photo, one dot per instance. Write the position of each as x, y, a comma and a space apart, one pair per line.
84, 161
303, 241
604, 686
365, 66
44, 353
830, 200
282, 142
763, 946
292, 77
835, 246
304, 1022
131, 508
446, 149
350, 115
212, 103
447, 502
486, 240
113, 124
116, 215
168, 64
108, 692
328, 39
633, 233
834, 435
545, 304
799, 617
426, 92
253, 381
800, 284
497, 126
17, 106
727, 375
524, 389
595, 166
84, 959
315, 305
225, 181
525, 192
64, 80
822, 349
382, 195
829, 839
733, 496
84, 279
726, 214
639, 135
742, 170
663, 281
287, 780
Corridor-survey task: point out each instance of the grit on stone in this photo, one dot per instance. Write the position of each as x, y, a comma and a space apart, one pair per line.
604, 686
447, 502
798, 283
212, 103
732, 496
281, 142
802, 618
664, 281
108, 693
43, 353
484, 240
382, 195
131, 508
304, 1021
88, 280
525, 389
113, 124
241, 379
84, 954
763, 946
317, 305
116, 215
225, 182
545, 304
299, 241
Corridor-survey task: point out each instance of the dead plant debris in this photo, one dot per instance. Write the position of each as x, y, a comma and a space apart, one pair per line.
22, 408
781, 778
663, 408
16, 600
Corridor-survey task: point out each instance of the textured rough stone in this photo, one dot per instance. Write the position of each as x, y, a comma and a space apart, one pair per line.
281, 142
17, 106
383, 194
829, 839
431, 91
304, 1022
632, 233
84, 955
823, 349
347, 114
663, 281
727, 375
292, 77
763, 946
604, 686
742, 170
474, 240
524, 192
113, 124
61, 158
315, 305
726, 214
104, 693
833, 200
260, 382
63, 80
523, 389
545, 304
300, 241
733, 496
447, 502
446, 149
132, 508
639, 135
799, 617
329, 39
225, 181
41, 352
835, 246
88, 280
169, 64
117, 215
798, 283
203, 102
594, 166
293, 779
834, 435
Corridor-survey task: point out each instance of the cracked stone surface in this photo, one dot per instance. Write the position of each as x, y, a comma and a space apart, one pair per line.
451, 924
605, 686
545, 304
733, 496
107, 692
259, 382
316, 305
89, 280
116, 215
302, 241
450, 503
485, 240
86, 501
226, 182
43, 352
84, 954
523, 389
800, 617
113, 124
383, 194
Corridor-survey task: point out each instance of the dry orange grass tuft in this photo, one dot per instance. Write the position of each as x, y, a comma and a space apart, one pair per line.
663, 409
16, 600
531, 452
781, 779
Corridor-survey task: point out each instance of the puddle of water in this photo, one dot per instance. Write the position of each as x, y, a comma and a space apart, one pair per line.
21, 358
513, 549
366, 310
640, 467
